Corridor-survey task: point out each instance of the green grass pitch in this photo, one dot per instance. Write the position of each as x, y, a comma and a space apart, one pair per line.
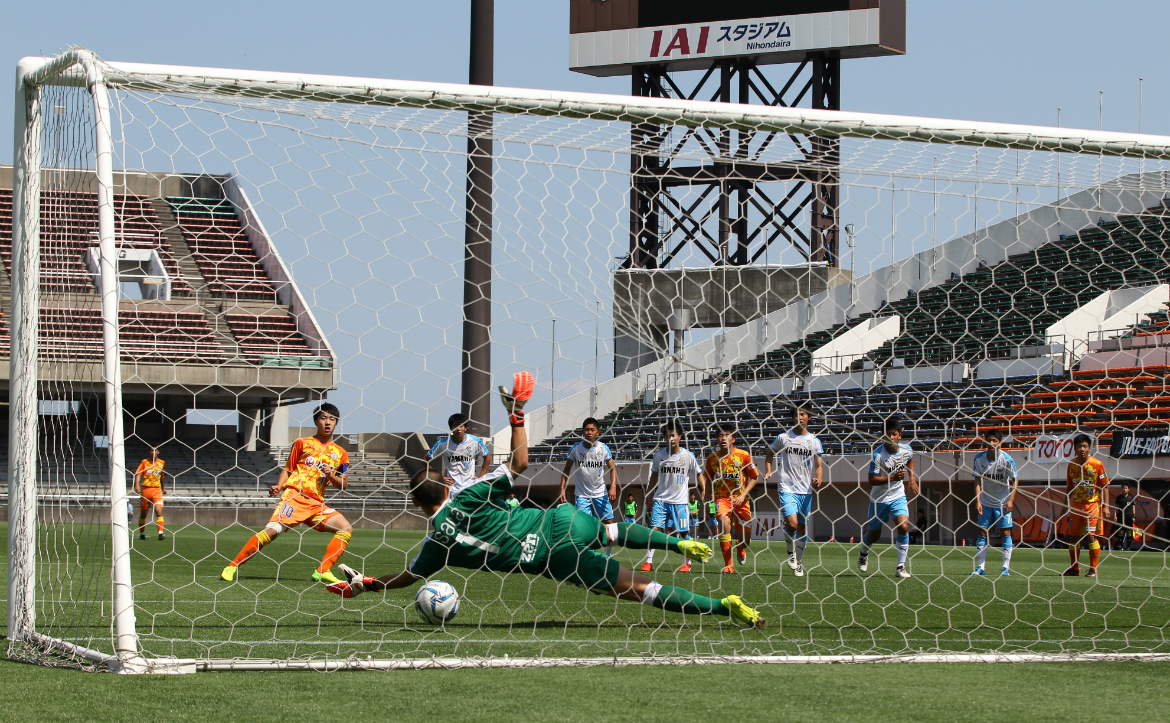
919, 693
274, 610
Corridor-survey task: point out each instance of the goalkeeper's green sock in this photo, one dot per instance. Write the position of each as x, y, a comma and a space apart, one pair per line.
637, 537
681, 600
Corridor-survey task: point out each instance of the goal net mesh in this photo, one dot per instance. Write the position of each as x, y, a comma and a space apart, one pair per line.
282, 244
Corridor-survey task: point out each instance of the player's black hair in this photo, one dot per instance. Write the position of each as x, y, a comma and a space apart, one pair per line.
1082, 438
998, 434
893, 424
673, 425
427, 488
727, 427
588, 421
798, 408
326, 408
458, 419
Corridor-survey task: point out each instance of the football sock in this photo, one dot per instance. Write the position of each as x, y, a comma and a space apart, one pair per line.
1008, 545
638, 537
788, 537
1094, 554
800, 543
650, 556
142, 522
687, 560
336, 548
251, 547
981, 553
681, 600
1074, 554
902, 544
865, 544
725, 548
159, 521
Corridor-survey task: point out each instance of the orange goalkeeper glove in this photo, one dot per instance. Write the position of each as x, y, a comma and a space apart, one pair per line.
523, 384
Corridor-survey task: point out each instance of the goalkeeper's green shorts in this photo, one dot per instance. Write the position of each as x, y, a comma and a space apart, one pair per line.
574, 538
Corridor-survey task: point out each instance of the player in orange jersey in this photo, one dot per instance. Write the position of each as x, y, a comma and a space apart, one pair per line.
313, 464
1086, 482
149, 482
728, 468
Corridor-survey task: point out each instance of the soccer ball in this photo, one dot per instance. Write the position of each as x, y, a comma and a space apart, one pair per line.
437, 602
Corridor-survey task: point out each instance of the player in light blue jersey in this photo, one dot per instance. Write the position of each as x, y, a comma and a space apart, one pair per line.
460, 455
996, 480
891, 471
800, 470
593, 459
671, 472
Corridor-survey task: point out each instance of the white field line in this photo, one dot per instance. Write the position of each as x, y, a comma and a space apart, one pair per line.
569, 641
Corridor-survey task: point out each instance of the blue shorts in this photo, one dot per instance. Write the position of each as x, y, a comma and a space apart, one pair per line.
599, 507
630, 520
800, 505
995, 518
663, 514
880, 512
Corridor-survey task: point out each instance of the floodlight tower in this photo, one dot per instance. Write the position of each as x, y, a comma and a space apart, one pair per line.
731, 208
477, 241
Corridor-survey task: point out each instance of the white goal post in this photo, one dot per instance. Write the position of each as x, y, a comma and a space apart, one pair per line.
80, 68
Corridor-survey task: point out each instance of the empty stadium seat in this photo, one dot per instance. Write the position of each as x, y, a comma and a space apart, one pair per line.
69, 226
221, 249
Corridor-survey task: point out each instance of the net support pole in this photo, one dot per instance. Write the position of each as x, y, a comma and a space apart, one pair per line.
125, 634
22, 400
477, 265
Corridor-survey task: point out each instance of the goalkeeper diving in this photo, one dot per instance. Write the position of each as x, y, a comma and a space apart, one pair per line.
477, 530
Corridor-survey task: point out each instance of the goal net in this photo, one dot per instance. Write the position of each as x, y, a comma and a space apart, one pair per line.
199, 257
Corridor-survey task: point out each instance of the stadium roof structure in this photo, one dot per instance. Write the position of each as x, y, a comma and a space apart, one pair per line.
208, 307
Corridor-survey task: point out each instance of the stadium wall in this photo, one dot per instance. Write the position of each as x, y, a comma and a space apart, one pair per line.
1129, 194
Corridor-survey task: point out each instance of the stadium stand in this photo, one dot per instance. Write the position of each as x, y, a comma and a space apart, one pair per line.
226, 307
851, 418
267, 333
220, 248
983, 315
161, 335
988, 313
69, 225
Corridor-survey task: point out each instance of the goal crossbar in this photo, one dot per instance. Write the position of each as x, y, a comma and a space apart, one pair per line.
597, 106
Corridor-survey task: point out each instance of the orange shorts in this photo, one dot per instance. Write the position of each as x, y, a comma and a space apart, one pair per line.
723, 506
301, 510
1084, 521
151, 496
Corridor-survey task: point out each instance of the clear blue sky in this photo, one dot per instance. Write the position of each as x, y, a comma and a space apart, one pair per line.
999, 60
993, 60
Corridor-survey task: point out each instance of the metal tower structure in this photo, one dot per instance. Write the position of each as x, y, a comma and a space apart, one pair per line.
737, 206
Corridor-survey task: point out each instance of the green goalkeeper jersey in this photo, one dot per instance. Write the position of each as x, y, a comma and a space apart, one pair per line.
477, 530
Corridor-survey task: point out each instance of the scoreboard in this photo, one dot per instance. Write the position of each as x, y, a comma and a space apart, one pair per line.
609, 37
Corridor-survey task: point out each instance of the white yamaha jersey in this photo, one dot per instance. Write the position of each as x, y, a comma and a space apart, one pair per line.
592, 463
675, 472
461, 461
994, 477
885, 463
794, 460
